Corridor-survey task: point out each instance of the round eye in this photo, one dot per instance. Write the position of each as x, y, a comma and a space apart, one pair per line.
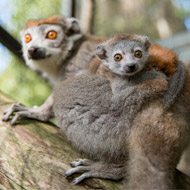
28, 38
138, 54
51, 34
117, 57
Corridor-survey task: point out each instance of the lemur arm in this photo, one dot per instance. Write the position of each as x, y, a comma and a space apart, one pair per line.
42, 113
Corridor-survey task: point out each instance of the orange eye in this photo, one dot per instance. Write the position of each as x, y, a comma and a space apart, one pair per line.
28, 38
51, 34
138, 54
117, 57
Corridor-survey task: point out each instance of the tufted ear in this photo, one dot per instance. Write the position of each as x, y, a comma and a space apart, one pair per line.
73, 26
101, 51
147, 42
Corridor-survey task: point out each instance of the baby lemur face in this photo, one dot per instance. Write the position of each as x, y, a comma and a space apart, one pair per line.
124, 54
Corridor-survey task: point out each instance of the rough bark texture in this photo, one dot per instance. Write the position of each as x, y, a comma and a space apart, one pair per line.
34, 155
87, 14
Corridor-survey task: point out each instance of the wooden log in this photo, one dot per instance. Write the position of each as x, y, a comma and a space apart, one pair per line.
34, 155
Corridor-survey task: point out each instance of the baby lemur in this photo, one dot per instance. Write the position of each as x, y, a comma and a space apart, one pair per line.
57, 48
121, 122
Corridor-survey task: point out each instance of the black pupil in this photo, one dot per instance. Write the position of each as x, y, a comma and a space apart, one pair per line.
117, 57
138, 53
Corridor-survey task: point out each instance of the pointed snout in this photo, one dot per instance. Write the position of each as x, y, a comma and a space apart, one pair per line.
130, 68
36, 53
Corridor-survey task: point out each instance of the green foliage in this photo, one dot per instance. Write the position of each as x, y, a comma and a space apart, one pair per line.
136, 17
24, 85
32, 9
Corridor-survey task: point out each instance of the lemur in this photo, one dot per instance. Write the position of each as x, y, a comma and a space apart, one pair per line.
117, 117
56, 47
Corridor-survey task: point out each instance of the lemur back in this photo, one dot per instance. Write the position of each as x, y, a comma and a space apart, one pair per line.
89, 106
108, 118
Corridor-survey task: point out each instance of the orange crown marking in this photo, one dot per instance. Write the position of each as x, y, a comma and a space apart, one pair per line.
50, 20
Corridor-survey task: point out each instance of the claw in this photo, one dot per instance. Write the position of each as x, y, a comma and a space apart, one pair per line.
13, 108
82, 177
76, 181
4, 118
79, 162
68, 172
15, 118
76, 163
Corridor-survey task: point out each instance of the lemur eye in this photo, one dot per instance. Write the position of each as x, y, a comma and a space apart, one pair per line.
117, 57
138, 54
28, 38
51, 34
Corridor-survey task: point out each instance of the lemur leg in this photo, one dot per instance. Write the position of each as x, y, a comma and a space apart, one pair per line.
95, 169
155, 147
42, 113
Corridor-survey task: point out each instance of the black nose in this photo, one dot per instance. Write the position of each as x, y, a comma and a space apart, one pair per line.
36, 53
32, 51
130, 68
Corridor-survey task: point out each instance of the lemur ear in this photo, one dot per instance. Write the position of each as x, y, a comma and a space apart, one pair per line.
73, 26
101, 51
147, 42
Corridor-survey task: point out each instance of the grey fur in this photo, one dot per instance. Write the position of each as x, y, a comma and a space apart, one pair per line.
100, 124
176, 85
122, 123
126, 47
96, 124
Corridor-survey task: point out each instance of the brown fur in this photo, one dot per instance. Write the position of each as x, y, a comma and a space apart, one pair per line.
51, 20
156, 143
162, 59
168, 135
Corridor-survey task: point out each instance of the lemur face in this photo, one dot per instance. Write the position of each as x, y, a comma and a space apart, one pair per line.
47, 43
125, 56
43, 41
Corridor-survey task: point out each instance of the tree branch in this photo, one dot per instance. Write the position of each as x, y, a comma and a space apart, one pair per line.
87, 13
12, 44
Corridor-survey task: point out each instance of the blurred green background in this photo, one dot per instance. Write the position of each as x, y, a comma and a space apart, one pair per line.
157, 19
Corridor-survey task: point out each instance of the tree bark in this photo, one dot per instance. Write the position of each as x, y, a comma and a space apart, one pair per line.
69, 8
34, 155
87, 13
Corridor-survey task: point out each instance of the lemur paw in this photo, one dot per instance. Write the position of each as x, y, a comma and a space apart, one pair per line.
18, 107
79, 169
80, 162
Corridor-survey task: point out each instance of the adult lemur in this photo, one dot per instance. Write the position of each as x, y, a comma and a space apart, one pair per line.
122, 122
56, 47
